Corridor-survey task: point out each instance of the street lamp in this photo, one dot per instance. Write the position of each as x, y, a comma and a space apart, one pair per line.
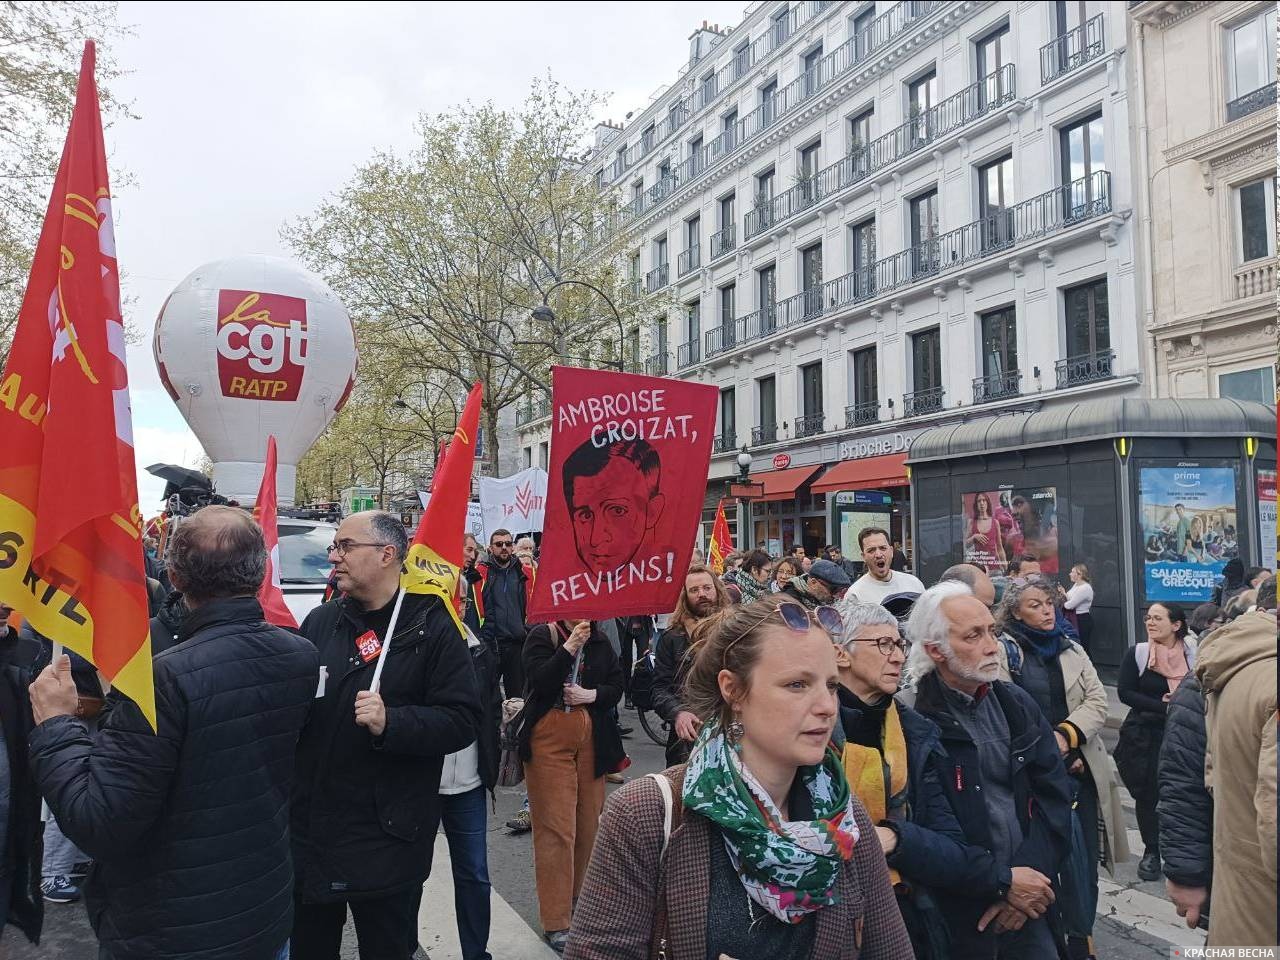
743, 491
544, 314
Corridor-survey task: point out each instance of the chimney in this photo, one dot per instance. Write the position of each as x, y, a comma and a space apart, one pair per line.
702, 40
604, 133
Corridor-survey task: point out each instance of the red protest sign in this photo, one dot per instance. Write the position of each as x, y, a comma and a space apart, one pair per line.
628, 476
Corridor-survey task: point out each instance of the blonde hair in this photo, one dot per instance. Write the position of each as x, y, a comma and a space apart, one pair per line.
1081, 569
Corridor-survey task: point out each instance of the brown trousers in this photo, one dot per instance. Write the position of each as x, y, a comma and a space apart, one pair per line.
565, 800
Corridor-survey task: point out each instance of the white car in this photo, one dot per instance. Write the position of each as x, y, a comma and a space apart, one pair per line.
304, 562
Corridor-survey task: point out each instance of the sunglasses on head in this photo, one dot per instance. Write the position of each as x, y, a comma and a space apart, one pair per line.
798, 619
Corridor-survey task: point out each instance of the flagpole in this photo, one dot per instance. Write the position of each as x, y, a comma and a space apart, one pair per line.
386, 643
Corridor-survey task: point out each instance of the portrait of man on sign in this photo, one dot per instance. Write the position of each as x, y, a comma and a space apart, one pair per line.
612, 492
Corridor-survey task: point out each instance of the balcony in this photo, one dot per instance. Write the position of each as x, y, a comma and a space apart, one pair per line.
527, 413
635, 286
722, 338
659, 365
657, 278
809, 425
722, 242
689, 353
999, 386
1085, 368
922, 402
689, 260
1252, 102
862, 414
766, 433
1254, 278
801, 308
759, 324
724, 442
1074, 48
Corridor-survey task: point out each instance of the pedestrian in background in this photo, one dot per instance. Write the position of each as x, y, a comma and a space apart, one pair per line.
1148, 676
755, 848
505, 588
20, 901
751, 578
783, 571
1079, 601
1185, 805
569, 741
824, 584
188, 823
1205, 619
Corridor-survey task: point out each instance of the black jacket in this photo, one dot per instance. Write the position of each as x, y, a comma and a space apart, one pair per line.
670, 667
489, 603
166, 625
20, 851
1041, 789
547, 666
188, 826
488, 751
1185, 806
360, 801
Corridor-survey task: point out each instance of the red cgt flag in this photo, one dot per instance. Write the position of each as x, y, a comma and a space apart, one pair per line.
264, 511
70, 528
721, 542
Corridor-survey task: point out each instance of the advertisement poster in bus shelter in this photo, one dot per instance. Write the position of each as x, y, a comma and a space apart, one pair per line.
1189, 530
1267, 517
1010, 522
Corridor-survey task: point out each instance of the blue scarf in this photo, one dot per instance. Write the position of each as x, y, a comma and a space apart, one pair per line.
1044, 644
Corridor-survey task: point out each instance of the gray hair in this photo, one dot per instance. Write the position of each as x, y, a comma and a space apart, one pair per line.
217, 553
1008, 609
966, 573
389, 531
928, 626
857, 615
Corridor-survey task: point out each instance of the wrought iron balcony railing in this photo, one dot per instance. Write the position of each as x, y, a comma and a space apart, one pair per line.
659, 365
765, 433
809, 425
1085, 368
689, 260
527, 413
722, 242
922, 402
999, 386
657, 278
1252, 102
724, 441
689, 353
722, 338
1074, 48
862, 414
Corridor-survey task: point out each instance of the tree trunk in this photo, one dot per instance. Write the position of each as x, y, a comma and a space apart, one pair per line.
491, 435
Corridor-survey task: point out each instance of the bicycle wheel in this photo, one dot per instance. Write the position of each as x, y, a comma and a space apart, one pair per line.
656, 727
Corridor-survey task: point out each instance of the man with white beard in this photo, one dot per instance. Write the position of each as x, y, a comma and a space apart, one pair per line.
1002, 770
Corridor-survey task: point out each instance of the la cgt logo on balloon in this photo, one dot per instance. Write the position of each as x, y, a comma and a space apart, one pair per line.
262, 344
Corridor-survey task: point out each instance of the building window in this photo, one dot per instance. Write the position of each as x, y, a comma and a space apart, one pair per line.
995, 197
1069, 14
764, 187
646, 139
528, 457
637, 190
741, 59
993, 51
999, 344
1255, 203
811, 279
860, 135
866, 387
728, 418
766, 102
767, 296
693, 321
862, 247
1084, 167
1088, 321
729, 127
922, 94
809, 69
695, 155
860, 30
766, 395
807, 171
728, 308
632, 359
544, 454
781, 25
726, 210
926, 360
923, 211
811, 389
1258, 384
660, 252
1251, 54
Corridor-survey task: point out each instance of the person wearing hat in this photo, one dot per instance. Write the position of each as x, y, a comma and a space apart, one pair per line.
825, 583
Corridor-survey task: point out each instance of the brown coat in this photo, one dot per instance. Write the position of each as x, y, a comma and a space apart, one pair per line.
1236, 665
615, 916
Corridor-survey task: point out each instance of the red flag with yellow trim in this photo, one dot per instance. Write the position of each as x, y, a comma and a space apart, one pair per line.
70, 528
721, 543
435, 556
270, 594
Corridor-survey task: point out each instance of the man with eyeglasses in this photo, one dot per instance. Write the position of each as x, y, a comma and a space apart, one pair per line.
366, 792
505, 587
890, 754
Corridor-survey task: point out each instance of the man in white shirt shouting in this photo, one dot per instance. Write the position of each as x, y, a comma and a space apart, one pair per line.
881, 580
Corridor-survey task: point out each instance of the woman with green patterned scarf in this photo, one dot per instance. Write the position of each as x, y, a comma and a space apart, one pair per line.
756, 848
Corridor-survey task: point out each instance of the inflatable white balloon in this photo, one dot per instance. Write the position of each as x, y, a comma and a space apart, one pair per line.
251, 346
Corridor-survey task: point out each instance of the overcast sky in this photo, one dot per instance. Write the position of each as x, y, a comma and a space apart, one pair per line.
249, 114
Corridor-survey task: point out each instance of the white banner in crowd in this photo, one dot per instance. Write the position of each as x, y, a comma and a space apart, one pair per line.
516, 503
474, 521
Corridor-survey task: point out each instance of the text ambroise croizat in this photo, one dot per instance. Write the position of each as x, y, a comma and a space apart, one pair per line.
629, 415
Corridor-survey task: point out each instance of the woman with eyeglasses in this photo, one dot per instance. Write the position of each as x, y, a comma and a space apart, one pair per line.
1038, 655
893, 758
1147, 680
755, 847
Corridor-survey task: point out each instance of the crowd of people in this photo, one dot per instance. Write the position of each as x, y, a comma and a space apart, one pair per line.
859, 765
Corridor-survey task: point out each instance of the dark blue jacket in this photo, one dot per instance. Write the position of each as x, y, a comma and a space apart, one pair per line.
1041, 788
189, 825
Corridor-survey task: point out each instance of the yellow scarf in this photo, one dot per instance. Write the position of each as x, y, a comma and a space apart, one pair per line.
866, 769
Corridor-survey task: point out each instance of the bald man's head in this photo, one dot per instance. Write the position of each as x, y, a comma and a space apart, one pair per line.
216, 553
973, 577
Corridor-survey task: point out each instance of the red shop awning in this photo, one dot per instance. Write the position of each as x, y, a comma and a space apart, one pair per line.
870, 473
782, 484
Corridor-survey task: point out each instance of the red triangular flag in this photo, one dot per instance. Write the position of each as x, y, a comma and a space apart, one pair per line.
264, 511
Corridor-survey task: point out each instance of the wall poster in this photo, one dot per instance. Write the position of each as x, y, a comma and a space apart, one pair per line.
1003, 524
1267, 517
1189, 530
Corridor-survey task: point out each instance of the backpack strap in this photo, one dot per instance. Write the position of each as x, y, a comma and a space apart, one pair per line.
672, 812
1013, 654
1141, 654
